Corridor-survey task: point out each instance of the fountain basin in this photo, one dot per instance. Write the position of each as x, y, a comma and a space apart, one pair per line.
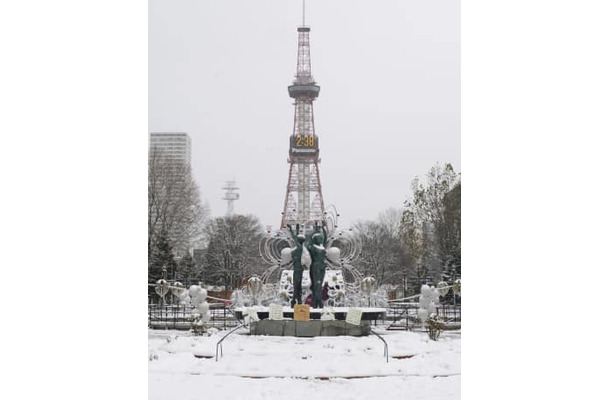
368, 313
311, 328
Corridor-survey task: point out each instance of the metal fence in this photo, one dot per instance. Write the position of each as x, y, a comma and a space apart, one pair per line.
404, 315
397, 316
172, 316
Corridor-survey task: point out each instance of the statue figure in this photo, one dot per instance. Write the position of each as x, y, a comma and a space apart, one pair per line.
318, 263
297, 266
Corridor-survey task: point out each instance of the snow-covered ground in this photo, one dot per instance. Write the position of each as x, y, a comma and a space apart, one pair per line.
269, 367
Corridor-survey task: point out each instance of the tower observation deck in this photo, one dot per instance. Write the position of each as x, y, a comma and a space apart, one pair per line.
303, 203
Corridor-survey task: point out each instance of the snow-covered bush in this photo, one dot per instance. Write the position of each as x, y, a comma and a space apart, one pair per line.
434, 326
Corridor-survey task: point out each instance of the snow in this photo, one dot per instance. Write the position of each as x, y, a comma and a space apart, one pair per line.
182, 366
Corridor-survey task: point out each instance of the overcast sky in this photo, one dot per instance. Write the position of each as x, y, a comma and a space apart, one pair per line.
389, 105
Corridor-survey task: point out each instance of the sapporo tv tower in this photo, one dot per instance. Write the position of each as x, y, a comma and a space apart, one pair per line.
303, 203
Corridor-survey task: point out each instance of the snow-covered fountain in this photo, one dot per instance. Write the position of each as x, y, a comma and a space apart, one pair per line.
343, 287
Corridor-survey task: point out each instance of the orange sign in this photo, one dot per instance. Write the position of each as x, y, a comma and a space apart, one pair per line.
301, 312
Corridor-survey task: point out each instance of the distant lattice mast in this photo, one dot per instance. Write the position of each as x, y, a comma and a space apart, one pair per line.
231, 195
303, 203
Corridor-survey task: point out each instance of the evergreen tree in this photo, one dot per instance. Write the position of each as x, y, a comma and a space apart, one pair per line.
451, 234
161, 256
232, 254
188, 272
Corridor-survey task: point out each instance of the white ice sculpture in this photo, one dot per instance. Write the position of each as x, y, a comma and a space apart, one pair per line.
204, 311
333, 277
369, 285
336, 287
286, 255
177, 288
305, 258
435, 300
334, 255
180, 292
254, 285
237, 298
194, 291
429, 299
198, 297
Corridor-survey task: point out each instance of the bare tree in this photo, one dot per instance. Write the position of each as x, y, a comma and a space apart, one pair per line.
390, 220
174, 204
383, 255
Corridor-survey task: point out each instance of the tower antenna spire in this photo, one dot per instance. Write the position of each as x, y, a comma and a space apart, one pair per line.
303, 203
231, 195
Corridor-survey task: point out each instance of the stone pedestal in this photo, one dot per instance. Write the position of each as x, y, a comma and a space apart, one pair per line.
311, 328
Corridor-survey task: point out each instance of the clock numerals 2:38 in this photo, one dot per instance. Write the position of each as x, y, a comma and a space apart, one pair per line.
307, 140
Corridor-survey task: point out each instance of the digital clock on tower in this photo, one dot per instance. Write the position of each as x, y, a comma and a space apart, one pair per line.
304, 141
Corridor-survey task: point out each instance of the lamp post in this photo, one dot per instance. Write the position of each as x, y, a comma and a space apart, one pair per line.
164, 274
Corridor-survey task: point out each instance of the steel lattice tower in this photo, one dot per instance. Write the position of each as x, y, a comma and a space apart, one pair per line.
303, 203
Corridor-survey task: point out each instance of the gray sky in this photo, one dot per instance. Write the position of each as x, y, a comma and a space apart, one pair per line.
388, 110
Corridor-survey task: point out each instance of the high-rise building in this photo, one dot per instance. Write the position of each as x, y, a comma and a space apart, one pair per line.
170, 194
173, 146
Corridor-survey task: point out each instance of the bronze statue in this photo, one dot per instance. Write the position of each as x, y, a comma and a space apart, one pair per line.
297, 265
317, 271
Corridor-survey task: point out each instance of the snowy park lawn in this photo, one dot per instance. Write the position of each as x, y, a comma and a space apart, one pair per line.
270, 367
